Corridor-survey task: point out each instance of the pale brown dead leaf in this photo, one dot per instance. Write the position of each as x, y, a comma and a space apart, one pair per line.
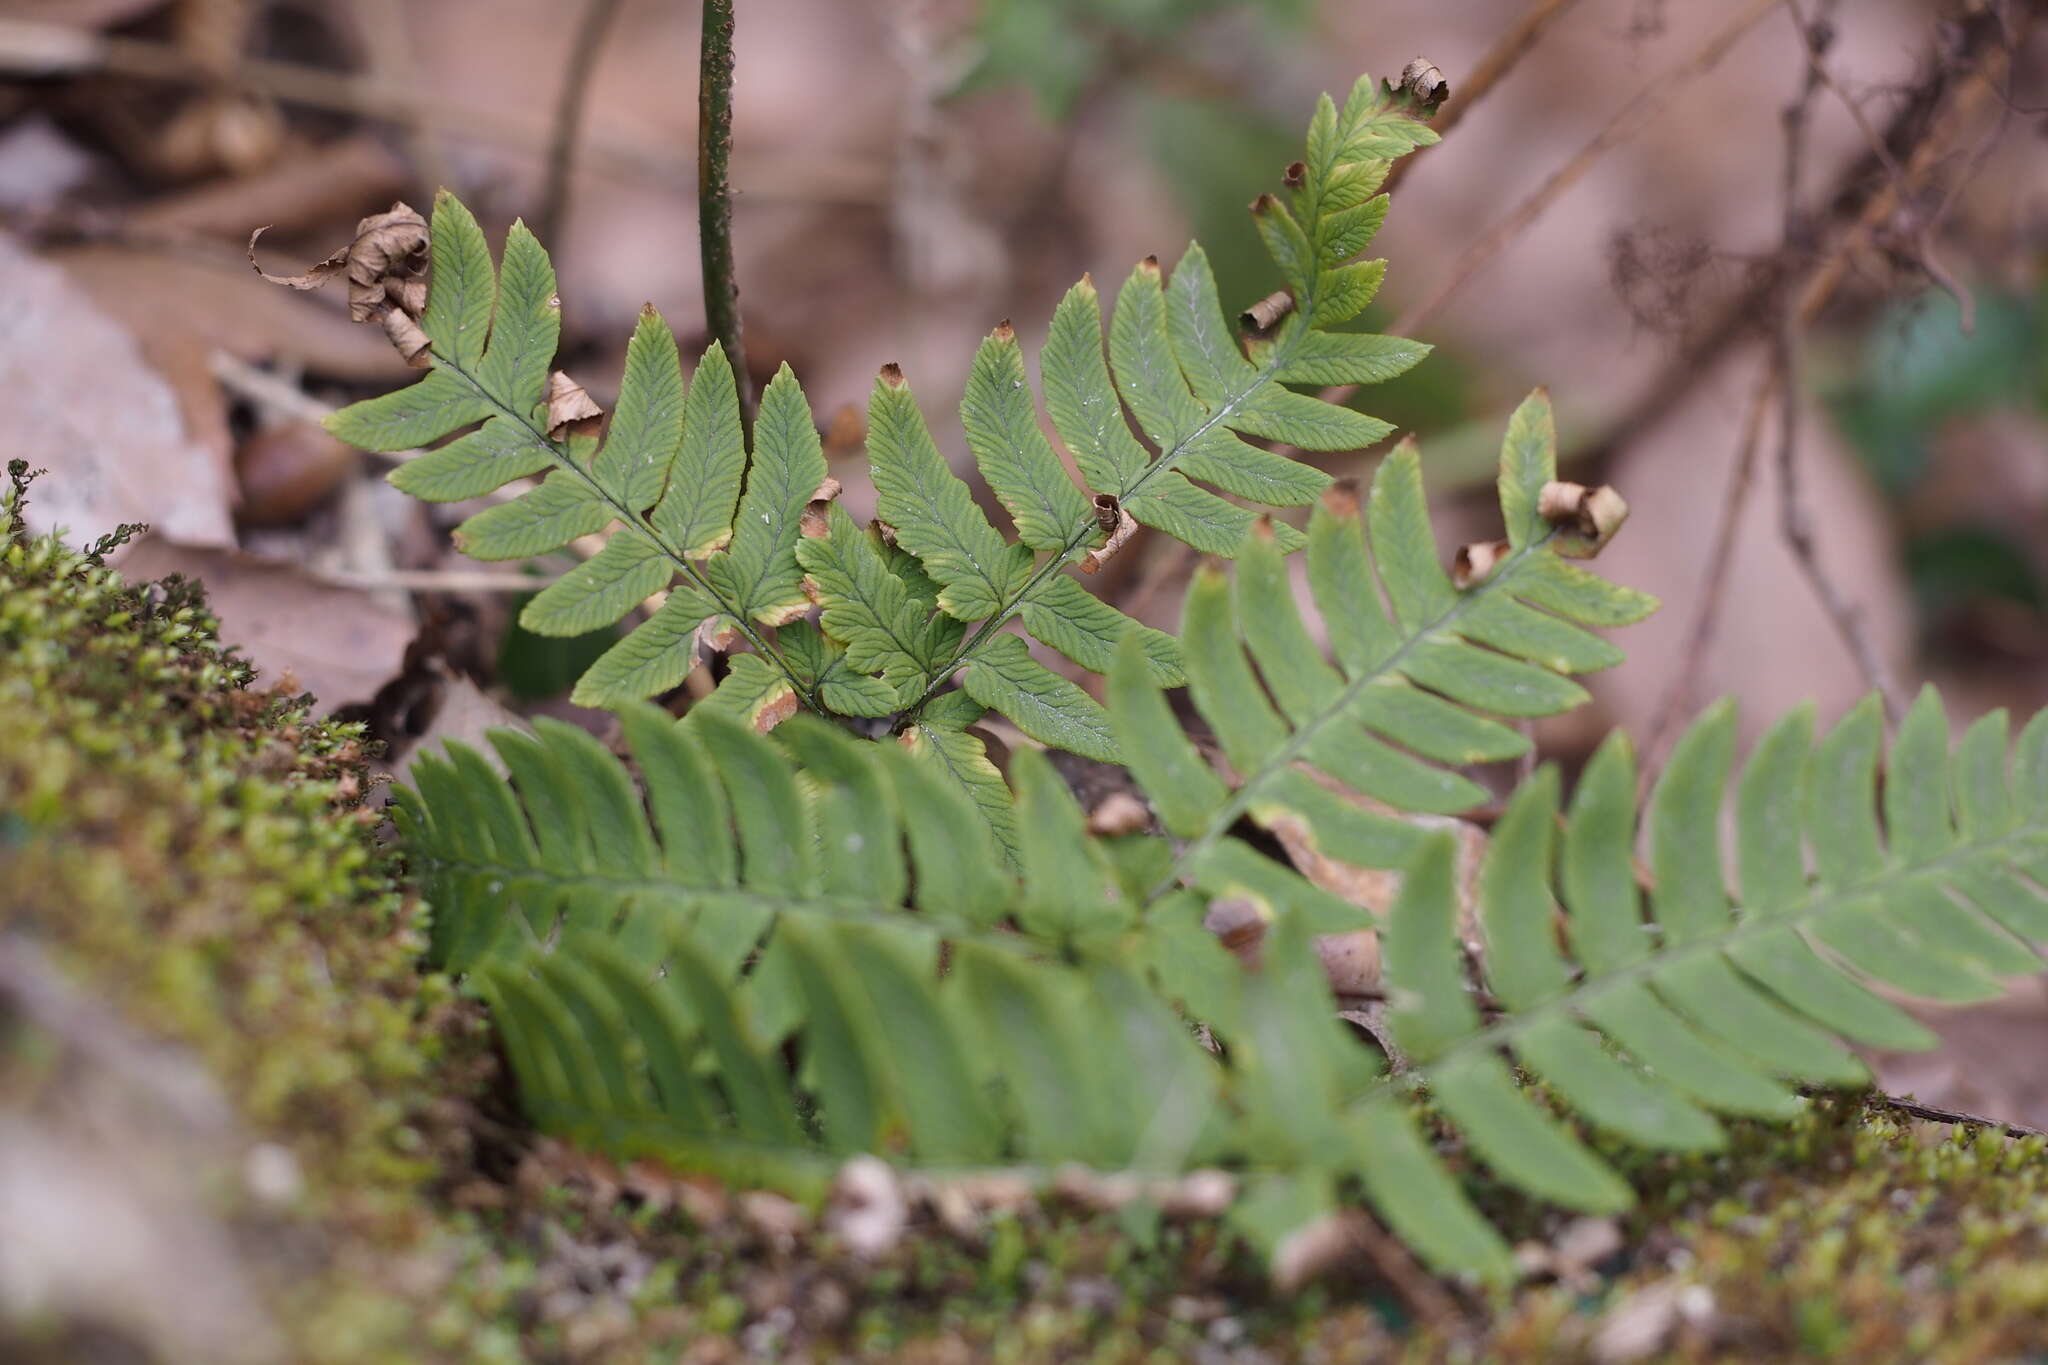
80, 399
338, 643
388, 246
1352, 960
569, 406
288, 469
1585, 518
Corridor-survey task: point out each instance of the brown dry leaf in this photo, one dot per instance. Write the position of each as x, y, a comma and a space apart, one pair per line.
215, 298
338, 643
1585, 518
80, 399
568, 404
388, 246
1352, 960
1118, 526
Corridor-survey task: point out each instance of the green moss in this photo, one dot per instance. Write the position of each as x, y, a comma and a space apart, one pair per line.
193, 850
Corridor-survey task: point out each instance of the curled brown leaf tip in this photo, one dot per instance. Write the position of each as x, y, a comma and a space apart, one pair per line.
408, 338
884, 530
1261, 318
1585, 518
389, 246
1295, 176
1150, 265
1116, 524
1476, 562
570, 408
1423, 81
716, 634
1004, 332
1264, 204
816, 521
1341, 497
892, 375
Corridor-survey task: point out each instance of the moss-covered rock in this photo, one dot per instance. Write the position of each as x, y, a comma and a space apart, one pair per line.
185, 860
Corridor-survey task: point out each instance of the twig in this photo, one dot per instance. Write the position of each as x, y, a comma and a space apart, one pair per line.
1680, 694
714, 193
435, 580
590, 33
1425, 1296
1877, 1099
1651, 100
1863, 199
43, 49
1796, 524
1500, 59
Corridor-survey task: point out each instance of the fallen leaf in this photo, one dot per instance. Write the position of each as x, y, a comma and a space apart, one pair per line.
337, 643
81, 400
287, 470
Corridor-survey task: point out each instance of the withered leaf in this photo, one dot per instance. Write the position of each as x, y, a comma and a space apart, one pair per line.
568, 405
389, 245
1117, 525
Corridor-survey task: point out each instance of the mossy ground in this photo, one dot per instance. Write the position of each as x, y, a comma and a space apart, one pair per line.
192, 850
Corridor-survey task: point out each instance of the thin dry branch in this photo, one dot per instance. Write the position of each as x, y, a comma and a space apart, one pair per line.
590, 35
42, 49
1652, 99
1506, 53
1951, 89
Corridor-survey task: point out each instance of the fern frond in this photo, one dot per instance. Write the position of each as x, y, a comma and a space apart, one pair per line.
655, 968
1418, 685
668, 473
693, 508
803, 868
1696, 1003
1184, 377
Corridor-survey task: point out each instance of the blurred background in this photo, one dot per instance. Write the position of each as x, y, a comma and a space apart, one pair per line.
1610, 216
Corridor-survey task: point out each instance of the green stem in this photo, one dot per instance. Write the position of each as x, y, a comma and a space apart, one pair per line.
714, 192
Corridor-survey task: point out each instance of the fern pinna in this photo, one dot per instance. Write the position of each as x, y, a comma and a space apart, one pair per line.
909, 606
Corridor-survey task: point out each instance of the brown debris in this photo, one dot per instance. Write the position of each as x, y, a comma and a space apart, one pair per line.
569, 407
1585, 518
815, 523
1238, 926
1117, 525
389, 245
1119, 813
1423, 80
1476, 562
1261, 318
845, 430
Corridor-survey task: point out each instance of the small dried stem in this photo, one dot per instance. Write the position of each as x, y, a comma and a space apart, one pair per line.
590, 34
714, 192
